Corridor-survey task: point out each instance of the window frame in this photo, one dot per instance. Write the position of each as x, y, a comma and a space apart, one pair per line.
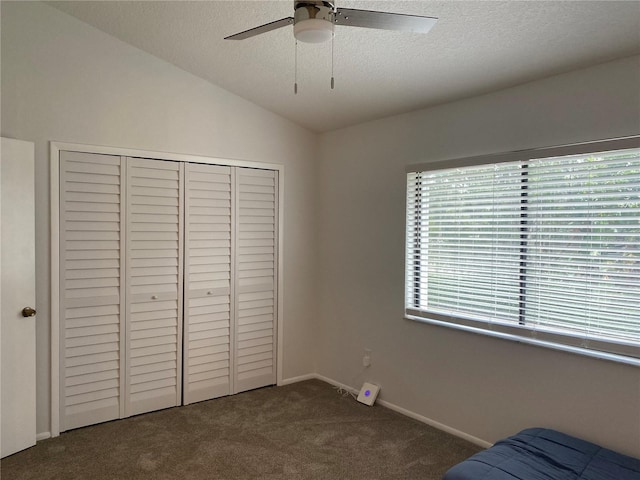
618, 351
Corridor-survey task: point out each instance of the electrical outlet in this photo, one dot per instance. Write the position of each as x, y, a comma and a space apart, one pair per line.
366, 359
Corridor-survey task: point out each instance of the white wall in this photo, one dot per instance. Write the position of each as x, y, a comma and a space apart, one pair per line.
63, 80
486, 387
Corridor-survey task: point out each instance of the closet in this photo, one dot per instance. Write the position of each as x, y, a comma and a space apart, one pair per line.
168, 284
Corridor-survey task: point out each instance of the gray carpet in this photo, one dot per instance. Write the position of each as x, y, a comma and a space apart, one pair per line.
302, 431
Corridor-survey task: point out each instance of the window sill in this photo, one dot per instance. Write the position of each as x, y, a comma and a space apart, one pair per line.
612, 357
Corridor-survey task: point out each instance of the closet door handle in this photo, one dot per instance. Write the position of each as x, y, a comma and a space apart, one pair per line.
210, 292
154, 297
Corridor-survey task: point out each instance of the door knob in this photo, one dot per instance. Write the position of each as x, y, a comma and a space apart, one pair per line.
28, 312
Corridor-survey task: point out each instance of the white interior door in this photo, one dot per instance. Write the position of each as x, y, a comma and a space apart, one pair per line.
91, 278
154, 284
208, 288
255, 278
17, 291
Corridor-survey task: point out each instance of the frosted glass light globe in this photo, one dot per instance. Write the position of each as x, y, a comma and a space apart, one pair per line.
313, 30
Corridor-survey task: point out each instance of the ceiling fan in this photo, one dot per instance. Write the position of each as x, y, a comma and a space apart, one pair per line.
314, 21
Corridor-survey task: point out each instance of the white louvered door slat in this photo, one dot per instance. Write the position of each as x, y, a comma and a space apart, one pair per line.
208, 263
255, 278
154, 284
91, 275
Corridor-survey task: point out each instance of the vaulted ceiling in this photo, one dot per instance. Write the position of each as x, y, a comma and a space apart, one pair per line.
476, 47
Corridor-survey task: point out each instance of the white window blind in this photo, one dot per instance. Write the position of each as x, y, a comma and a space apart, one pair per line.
539, 248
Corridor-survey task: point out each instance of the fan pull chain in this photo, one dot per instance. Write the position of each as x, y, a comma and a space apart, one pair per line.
332, 79
295, 72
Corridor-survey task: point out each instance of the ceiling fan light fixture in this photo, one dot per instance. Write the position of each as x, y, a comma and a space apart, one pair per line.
313, 30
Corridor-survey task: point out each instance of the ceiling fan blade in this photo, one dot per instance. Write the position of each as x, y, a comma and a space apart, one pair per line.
283, 22
384, 21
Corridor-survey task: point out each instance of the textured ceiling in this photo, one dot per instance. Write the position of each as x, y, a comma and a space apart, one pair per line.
476, 47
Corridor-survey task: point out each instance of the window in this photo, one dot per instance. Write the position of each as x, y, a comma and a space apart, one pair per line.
540, 246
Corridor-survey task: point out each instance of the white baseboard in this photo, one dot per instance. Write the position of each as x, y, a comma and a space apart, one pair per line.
434, 424
336, 384
301, 378
403, 411
384, 403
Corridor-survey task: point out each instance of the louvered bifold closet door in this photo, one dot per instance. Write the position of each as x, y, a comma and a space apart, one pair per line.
154, 284
208, 261
91, 276
255, 278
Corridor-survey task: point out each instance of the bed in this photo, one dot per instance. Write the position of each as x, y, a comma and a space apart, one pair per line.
544, 454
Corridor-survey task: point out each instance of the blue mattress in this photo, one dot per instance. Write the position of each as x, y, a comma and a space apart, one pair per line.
543, 454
